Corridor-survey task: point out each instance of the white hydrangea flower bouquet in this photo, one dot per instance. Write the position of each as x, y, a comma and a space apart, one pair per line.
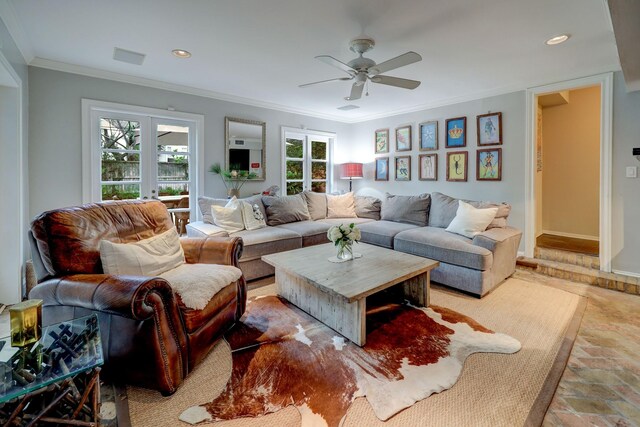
343, 238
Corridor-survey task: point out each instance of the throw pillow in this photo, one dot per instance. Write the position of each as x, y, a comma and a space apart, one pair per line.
470, 221
341, 206
444, 208
252, 216
317, 204
228, 217
148, 257
285, 209
205, 204
407, 209
368, 207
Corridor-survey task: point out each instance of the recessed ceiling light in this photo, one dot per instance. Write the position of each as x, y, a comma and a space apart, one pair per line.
558, 39
181, 53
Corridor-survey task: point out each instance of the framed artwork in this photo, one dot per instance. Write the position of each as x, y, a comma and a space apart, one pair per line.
489, 164
403, 168
428, 136
428, 164
456, 132
489, 129
457, 165
382, 141
403, 138
382, 169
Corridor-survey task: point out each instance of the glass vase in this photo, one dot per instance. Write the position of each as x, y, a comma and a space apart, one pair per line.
345, 251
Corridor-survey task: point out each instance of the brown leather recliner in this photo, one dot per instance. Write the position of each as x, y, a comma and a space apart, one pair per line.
149, 337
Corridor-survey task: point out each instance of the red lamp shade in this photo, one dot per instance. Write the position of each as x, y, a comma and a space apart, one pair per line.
351, 170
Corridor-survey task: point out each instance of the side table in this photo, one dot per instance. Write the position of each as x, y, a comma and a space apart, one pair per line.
54, 380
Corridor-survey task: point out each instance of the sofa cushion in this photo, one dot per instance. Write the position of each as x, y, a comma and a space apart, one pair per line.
345, 221
205, 203
381, 233
148, 257
444, 208
341, 206
312, 232
317, 204
368, 207
267, 240
204, 229
285, 209
252, 216
406, 209
440, 245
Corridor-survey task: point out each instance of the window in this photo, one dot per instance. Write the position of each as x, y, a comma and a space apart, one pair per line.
307, 161
139, 153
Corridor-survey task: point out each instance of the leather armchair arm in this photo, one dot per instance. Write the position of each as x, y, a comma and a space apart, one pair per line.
134, 297
212, 250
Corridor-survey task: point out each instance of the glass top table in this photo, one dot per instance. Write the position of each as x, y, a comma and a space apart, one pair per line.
64, 350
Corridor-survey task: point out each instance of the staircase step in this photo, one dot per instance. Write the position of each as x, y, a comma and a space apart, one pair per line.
567, 257
577, 273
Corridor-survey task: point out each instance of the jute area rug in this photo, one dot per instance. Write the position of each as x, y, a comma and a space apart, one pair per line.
493, 389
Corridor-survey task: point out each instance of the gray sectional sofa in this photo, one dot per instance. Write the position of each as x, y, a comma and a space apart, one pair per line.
410, 224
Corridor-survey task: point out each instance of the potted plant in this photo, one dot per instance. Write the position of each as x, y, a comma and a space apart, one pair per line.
233, 179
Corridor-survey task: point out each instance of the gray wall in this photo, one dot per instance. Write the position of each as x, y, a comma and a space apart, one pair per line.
13, 219
56, 140
510, 189
626, 191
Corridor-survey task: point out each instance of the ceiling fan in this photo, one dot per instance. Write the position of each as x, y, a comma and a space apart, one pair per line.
362, 69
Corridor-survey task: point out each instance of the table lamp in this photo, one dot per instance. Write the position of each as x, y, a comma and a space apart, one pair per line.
351, 171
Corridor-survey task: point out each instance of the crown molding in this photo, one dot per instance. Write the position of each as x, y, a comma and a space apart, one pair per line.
19, 36
157, 84
141, 81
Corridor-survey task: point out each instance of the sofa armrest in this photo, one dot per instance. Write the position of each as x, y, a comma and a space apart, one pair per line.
489, 239
212, 250
204, 229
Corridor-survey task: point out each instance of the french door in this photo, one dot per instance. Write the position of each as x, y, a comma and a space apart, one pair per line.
140, 156
307, 162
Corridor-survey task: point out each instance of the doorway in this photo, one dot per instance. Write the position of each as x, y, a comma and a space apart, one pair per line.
568, 170
533, 212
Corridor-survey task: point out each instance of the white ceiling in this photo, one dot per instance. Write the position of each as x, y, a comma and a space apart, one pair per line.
262, 50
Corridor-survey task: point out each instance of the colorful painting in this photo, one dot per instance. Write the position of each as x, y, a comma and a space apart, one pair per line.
457, 166
403, 168
428, 167
489, 164
489, 129
382, 141
428, 136
382, 169
456, 132
403, 138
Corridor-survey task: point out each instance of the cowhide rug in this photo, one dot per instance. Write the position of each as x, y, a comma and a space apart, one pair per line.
283, 356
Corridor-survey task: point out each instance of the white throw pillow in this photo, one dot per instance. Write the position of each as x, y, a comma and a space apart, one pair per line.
228, 217
470, 221
341, 206
149, 257
252, 216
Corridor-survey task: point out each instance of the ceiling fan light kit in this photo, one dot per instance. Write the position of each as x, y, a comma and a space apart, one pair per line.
363, 69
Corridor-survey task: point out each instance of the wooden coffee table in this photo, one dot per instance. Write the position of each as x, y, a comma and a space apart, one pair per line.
336, 293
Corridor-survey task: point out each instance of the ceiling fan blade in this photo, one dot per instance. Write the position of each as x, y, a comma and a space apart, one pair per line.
330, 60
396, 81
356, 92
325, 81
397, 62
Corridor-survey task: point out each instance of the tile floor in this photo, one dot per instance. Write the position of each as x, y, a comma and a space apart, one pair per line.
601, 383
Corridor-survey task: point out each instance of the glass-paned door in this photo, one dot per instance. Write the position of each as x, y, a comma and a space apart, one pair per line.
143, 157
307, 163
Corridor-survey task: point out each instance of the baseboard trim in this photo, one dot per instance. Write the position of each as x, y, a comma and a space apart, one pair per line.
626, 273
574, 235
